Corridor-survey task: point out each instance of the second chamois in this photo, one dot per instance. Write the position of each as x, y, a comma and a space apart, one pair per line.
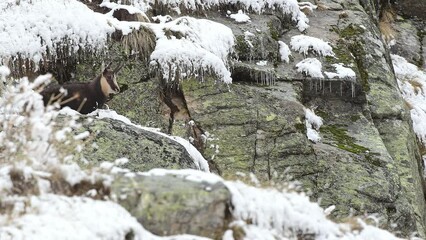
84, 97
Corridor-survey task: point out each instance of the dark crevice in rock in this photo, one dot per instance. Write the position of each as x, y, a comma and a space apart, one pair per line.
421, 34
347, 90
251, 73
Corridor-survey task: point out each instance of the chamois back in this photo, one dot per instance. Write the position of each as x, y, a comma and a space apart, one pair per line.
83, 97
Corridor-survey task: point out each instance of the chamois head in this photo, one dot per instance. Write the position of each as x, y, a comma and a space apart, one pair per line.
108, 80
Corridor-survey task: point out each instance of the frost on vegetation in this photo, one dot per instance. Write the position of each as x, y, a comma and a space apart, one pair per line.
33, 28
341, 72
132, 9
311, 67
270, 213
285, 52
32, 170
198, 158
288, 7
188, 47
30, 139
52, 216
304, 44
240, 17
313, 124
412, 84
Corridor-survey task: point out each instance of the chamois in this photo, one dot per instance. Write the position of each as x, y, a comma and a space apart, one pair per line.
84, 97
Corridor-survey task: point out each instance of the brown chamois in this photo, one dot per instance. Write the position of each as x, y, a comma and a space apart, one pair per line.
84, 97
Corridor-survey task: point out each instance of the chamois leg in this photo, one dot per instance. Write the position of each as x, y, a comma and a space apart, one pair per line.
81, 105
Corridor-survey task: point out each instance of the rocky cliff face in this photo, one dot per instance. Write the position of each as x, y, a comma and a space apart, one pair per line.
368, 160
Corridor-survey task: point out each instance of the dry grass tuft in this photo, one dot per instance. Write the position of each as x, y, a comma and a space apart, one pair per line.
140, 42
386, 18
417, 85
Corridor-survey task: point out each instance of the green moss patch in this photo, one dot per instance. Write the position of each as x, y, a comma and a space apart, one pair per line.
343, 140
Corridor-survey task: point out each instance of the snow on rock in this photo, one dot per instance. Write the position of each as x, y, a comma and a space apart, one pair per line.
198, 158
162, 19
313, 124
240, 17
269, 213
262, 63
304, 44
412, 84
52, 216
289, 7
188, 174
58, 217
285, 52
204, 48
311, 67
130, 8
341, 72
32, 27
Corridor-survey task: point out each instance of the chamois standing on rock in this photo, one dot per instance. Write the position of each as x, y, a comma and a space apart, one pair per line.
84, 97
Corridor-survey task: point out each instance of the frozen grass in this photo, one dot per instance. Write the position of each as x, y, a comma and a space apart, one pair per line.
189, 47
305, 44
311, 67
288, 7
33, 27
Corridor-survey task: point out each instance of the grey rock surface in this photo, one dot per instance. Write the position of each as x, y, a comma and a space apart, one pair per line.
368, 160
111, 139
171, 205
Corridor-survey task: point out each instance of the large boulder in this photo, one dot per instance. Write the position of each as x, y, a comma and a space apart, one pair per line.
171, 205
110, 139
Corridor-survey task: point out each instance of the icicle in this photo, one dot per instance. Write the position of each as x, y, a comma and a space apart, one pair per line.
330, 86
262, 47
341, 88
353, 89
323, 87
316, 86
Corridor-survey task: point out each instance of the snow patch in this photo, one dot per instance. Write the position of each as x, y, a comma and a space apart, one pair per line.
187, 174
412, 84
313, 124
262, 63
304, 44
33, 27
290, 7
240, 17
203, 48
311, 67
285, 52
341, 72
58, 217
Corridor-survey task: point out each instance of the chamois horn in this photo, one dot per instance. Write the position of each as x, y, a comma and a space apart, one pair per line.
118, 68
